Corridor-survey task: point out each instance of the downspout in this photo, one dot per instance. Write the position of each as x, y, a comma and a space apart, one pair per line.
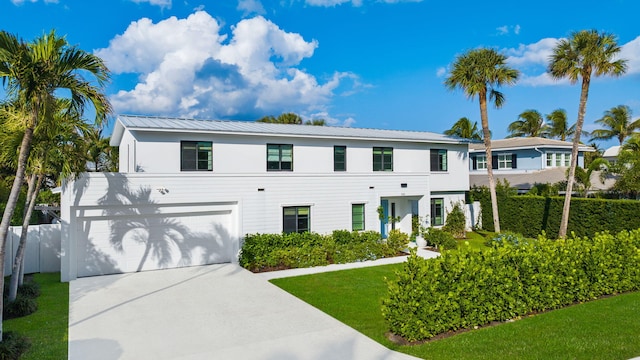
542, 159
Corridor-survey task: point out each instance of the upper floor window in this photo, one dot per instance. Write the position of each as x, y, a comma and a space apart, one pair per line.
279, 157
504, 161
196, 156
479, 162
295, 219
339, 158
438, 160
382, 159
558, 159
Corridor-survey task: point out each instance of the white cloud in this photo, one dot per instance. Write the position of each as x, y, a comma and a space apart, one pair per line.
356, 3
442, 71
20, 2
506, 29
249, 7
161, 3
187, 67
631, 52
532, 54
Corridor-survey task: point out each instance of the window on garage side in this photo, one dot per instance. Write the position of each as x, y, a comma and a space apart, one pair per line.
438, 160
295, 219
437, 212
279, 157
196, 156
382, 159
357, 217
339, 158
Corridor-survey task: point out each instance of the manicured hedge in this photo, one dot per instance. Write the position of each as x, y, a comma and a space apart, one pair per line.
464, 289
530, 215
262, 252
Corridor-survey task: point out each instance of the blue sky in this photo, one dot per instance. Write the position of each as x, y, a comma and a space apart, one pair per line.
362, 63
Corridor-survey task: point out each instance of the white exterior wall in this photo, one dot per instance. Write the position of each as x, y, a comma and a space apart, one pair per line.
456, 178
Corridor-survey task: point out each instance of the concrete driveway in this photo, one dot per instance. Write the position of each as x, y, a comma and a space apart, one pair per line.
207, 312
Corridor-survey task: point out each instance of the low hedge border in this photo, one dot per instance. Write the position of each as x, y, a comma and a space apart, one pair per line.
264, 252
467, 288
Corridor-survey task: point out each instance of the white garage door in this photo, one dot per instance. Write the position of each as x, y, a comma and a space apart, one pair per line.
149, 237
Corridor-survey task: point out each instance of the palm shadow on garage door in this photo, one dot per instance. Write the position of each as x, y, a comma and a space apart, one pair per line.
132, 231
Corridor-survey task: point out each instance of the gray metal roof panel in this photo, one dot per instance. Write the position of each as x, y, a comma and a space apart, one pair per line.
252, 127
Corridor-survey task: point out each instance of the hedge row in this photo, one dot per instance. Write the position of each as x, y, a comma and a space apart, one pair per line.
530, 215
464, 289
263, 252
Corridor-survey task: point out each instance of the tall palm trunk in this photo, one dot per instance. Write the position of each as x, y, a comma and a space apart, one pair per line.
25, 147
584, 94
487, 146
35, 182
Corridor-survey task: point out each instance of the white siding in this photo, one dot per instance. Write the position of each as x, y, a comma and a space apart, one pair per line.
456, 178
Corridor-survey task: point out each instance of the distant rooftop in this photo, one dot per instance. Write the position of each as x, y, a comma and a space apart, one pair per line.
527, 142
611, 152
147, 123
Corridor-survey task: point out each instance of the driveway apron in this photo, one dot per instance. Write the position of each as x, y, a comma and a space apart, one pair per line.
206, 312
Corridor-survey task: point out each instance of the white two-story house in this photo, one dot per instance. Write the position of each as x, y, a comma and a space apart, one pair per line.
189, 190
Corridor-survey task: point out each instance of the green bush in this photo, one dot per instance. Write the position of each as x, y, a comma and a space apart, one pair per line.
262, 252
440, 239
587, 216
29, 289
21, 306
13, 346
467, 288
396, 242
456, 222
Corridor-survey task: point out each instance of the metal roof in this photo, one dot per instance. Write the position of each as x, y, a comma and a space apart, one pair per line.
147, 123
527, 142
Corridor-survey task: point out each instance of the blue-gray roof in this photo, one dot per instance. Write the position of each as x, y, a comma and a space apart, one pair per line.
147, 123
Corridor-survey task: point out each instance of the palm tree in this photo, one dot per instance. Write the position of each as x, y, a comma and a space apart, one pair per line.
632, 144
529, 124
559, 125
617, 123
584, 54
463, 128
57, 151
479, 73
583, 176
33, 73
284, 118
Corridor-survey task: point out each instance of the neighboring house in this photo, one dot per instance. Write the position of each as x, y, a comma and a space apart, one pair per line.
189, 190
611, 154
524, 161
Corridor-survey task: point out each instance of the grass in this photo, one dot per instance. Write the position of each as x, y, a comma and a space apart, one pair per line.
604, 329
47, 328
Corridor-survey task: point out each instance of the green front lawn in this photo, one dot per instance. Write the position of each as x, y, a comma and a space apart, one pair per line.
47, 328
602, 329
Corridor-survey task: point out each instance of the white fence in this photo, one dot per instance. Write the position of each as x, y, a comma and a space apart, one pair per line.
472, 215
42, 252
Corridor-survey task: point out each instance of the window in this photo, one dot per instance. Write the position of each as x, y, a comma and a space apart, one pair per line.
558, 159
437, 212
504, 161
357, 217
382, 159
279, 157
196, 156
479, 162
295, 219
339, 158
438, 160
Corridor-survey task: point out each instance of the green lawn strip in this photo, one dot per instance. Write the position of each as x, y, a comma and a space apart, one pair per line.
603, 329
47, 328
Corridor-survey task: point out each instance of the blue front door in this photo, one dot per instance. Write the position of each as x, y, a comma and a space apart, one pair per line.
385, 217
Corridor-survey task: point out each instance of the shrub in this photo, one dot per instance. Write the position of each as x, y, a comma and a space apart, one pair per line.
29, 289
467, 288
262, 252
441, 239
396, 242
456, 222
21, 306
506, 238
13, 346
